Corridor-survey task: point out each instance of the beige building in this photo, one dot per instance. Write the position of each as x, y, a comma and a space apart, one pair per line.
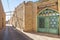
2, 17
40, 16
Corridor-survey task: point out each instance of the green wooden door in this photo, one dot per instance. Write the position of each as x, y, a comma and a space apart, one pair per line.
53, 22
41, 24
47, 23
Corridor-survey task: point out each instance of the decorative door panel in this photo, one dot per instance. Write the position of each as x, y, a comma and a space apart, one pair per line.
53, 28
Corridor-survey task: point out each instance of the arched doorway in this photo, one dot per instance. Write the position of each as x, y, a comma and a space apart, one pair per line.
47, 21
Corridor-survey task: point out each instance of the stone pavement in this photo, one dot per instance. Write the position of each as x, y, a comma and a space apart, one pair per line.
12, 34
0, 35
42, 36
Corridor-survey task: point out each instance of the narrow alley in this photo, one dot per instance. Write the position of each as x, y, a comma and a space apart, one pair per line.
29, 19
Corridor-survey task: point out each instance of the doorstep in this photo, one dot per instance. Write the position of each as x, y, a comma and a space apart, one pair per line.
42, 36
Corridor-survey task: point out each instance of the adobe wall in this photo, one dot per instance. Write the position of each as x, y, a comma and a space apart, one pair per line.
2, 17
28, 16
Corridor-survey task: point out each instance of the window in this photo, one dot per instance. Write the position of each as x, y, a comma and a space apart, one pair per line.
54, 22
52, 19
52, 25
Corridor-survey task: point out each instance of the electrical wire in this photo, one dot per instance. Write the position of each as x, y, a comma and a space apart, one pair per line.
8, 4
9, 8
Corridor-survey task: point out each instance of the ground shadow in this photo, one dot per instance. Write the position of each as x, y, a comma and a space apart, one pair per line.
1, 34
23, 34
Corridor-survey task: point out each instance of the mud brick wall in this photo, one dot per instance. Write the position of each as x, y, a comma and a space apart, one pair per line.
2, 17
28, 16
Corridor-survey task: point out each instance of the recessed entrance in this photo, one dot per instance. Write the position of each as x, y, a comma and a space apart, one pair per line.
47, 21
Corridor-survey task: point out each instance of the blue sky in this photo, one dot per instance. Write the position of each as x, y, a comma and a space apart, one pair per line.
12, 5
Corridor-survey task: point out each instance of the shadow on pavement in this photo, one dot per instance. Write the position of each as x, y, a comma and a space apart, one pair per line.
24, 35
1, 34
21, 33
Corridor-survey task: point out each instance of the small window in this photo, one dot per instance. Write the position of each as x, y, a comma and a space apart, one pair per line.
52, 25
52, 19
53, 14
54, 22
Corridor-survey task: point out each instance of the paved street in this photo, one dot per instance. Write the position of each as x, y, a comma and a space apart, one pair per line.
1, 35
12, 34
